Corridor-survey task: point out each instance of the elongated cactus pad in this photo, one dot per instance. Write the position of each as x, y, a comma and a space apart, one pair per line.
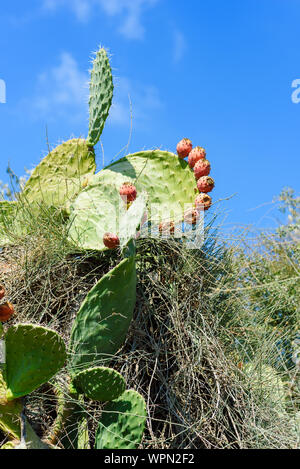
100, 383
61, 174
101, 94
34, 354
168, 181
102, 322
122, 423
98, 210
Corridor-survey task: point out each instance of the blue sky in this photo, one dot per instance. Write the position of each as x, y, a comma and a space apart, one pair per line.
219, 72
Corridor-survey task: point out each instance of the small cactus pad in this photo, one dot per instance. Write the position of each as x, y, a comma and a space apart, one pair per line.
34, 354
100, 209
61, 174
102, 322
168, 181
100, 383
122, 423
101, 94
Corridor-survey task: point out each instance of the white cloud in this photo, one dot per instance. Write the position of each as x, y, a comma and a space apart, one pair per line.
130, 11
179, 46
61, 91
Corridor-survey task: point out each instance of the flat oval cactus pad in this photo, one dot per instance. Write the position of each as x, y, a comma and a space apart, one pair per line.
100, 383
34, 354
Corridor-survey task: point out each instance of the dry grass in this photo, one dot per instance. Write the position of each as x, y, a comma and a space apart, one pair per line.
180, 351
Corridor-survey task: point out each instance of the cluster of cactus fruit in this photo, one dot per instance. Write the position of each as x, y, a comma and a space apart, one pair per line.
103, 210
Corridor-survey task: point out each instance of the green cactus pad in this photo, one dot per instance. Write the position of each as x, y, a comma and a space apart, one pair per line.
168, 181
9, 412
100, 209
100, 383
61, 174
101, 94
34, 354
102, 322
122, 423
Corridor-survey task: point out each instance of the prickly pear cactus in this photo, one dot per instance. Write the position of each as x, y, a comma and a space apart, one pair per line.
167, 180
101, 94
122, 423
100, 209
61, 174
8, 212
34, 354
100, 383
102, 322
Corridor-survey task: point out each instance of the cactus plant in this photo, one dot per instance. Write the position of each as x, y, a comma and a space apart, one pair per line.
122, 423
33, 355
8, 212
9, 412
102, 322
100, 383
101, 94
167, 180
99, 209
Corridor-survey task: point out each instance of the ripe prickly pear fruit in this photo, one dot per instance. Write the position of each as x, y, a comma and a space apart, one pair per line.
2, 292
184, 147
167, 227
6, 312
128, 192
203, 202
202, 168
111, 240
191, 216
205, 184
197, 153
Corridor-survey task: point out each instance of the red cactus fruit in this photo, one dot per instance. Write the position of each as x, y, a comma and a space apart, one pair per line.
197, 153
2, 292
202, 168
184, 147
6, 311
111, 240
203, 202
191, 216
167, 227
205, 184
128, 192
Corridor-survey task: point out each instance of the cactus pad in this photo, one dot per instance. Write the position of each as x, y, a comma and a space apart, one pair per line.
8, 212
61, 174
34, 354
122, 423
101, 94
100, 383
168, 181
103, 320
99, 209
